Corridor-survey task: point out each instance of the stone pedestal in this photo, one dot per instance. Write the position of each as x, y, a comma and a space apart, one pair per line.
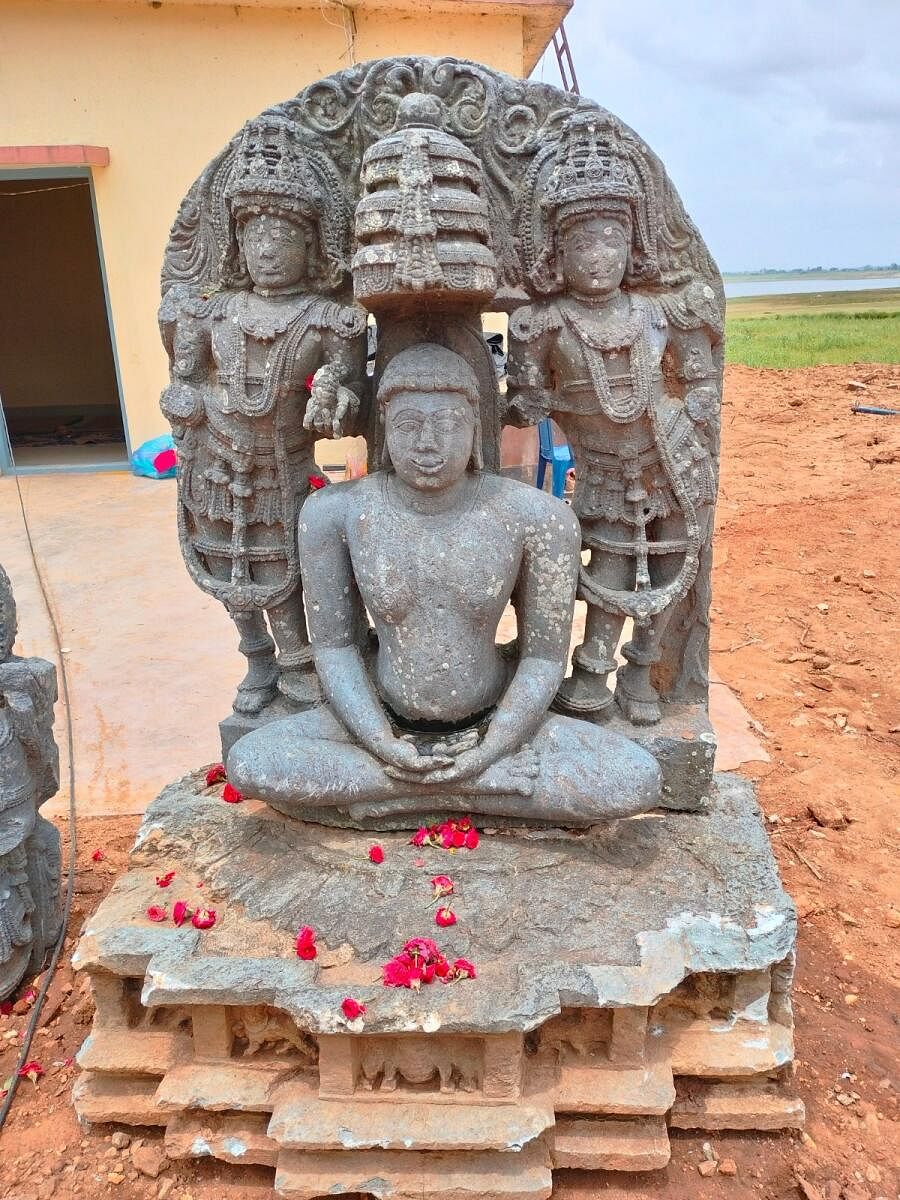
629, 979
683, 742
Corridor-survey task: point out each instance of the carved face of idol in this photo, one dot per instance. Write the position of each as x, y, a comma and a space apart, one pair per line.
429, 437
594, 254
276, 250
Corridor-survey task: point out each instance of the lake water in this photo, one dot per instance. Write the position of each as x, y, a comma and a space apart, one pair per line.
782, 287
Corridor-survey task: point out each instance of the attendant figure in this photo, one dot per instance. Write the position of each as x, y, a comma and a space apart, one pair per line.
630, 378
258, 371
430, 715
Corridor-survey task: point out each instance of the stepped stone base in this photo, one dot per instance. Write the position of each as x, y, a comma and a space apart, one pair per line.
629, 979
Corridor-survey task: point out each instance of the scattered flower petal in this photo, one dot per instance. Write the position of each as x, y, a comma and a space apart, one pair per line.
216, 774
31, 1070
420, 962
204, 918
449, 835
6, 1007
376, 854
317, 481
443, 886
462, 969
98, 856
231, 795
163, 881
181, 912
445, 917
157, 912
308, 382
306, 943
352, 1009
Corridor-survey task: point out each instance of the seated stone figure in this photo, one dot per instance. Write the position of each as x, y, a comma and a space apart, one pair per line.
427, 714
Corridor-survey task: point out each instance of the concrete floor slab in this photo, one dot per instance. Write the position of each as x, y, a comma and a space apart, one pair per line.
152, 661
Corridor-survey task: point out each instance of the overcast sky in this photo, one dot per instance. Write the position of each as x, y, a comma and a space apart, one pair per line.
778, 120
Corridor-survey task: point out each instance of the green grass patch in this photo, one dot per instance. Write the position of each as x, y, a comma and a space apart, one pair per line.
807, 330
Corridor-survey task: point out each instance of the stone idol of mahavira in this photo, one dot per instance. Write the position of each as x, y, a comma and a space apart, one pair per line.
425, 712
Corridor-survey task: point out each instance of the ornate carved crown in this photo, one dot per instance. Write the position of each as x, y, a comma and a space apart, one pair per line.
272, 172
597, 168
592, 167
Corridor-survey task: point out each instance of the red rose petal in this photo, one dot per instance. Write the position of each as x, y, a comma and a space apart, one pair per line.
156, 912
445, 917
180, 912
306, 943
462, 968
317, 481
472, 839
231, 795
98, 856
376, 854
216, 774
163, 881
204, 918
352, 1008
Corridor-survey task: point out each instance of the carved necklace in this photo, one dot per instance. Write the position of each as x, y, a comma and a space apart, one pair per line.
617, 333
291, 320
265, 322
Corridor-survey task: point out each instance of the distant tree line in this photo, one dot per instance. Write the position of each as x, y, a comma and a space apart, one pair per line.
814, 270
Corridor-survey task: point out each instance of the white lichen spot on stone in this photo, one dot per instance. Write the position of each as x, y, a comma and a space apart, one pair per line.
200, 1146
431, 1022
234, 1146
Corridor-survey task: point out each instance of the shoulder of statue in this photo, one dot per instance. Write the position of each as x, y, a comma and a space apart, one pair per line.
327, 506
345, 320
650, 308
541, 512
693, 307
531, 321
189, 301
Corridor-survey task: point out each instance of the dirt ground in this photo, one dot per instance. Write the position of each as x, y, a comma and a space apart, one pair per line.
805, 631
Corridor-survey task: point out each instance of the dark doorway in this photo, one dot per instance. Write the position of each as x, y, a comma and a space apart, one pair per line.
58, 385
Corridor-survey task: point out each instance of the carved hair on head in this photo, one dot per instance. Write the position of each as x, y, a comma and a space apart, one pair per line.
426, 368
608, 208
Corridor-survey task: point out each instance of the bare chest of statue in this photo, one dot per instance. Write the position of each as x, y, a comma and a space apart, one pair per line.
435, 587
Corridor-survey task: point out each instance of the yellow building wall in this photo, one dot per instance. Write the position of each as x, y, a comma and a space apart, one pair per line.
164, 88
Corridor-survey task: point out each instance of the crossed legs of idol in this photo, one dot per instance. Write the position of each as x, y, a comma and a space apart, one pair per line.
585, 692
292, 672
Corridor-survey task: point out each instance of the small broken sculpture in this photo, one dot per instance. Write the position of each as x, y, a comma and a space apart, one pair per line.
595, 355
29, 774
256, 357
435, 715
